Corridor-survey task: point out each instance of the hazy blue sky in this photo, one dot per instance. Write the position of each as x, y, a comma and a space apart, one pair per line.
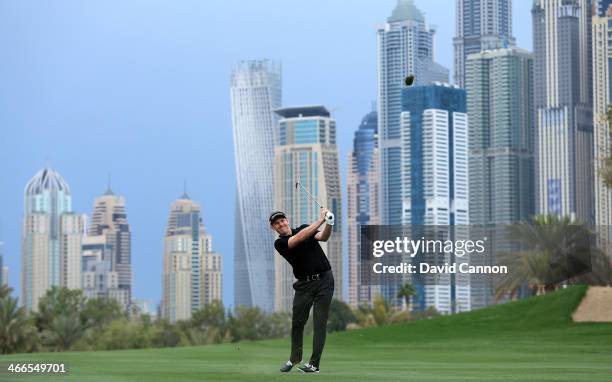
140, 89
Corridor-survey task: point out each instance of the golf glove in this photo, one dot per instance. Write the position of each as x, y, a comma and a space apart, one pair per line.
329, 218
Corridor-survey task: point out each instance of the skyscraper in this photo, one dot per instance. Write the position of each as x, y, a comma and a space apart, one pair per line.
255, 92
307, 153
562, 98
434, 188
602, 87
362, 200
480, 25
99, 278
405, 46
191, 272
212, 275
110, 238
51, 238
499, 85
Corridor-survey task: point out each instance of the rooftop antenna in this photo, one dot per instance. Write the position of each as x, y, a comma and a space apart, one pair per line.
108, 189
185, 196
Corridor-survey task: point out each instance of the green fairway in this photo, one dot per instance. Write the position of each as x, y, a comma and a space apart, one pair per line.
529, 340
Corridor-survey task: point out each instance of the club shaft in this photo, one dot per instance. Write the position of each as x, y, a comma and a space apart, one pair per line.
309, 195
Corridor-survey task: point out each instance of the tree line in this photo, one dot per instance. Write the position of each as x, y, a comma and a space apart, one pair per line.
554, 251
67, 321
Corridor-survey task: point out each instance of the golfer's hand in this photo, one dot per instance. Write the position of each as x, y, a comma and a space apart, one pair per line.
324, 212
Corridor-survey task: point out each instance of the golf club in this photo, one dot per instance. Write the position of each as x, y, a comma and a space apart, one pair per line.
329, 217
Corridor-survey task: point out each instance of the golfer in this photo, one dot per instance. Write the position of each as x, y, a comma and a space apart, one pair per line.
314, 285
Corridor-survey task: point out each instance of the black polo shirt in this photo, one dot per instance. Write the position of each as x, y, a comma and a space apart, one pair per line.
307, 258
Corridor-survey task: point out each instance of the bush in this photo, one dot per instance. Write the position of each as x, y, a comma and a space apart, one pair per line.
340, 315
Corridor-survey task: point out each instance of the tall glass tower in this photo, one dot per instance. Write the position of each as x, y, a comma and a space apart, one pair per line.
434, 187
563, 107
307, 153
499, 85
405, 46
255, 92
362, 195
480, 25
51, 238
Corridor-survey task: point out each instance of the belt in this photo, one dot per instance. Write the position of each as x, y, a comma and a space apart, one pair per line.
315, 276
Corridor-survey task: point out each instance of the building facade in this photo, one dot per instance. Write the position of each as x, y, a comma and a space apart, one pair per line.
434, 182
51, 238
140, 306
563, 110
107, 251
602, 144
499, 85
255, 92
362, 202
99, 278
307, 153
191, 271
404, 46
480, 25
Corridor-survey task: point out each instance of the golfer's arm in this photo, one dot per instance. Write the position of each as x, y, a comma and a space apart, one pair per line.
325, 234
304, 234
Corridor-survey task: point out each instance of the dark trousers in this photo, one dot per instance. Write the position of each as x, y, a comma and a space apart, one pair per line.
308, 293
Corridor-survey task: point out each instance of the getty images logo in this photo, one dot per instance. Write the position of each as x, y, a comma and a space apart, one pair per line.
404, 245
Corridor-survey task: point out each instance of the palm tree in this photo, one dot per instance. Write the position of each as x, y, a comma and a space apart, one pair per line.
64, 331
5, 291
406, 292
16, 333
552, 248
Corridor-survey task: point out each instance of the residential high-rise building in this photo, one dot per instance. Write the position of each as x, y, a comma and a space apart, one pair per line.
255, 92
480, 25
405, 47
362, 201
192, 272
434, 186
212, 263
99, 279
51, 238
107, 251
307, 153
563, 109
602, 87
499, 85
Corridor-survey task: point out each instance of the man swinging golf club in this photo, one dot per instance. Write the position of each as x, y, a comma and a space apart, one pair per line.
315, 282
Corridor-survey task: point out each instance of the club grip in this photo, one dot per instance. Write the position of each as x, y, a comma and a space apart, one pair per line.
329, 218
